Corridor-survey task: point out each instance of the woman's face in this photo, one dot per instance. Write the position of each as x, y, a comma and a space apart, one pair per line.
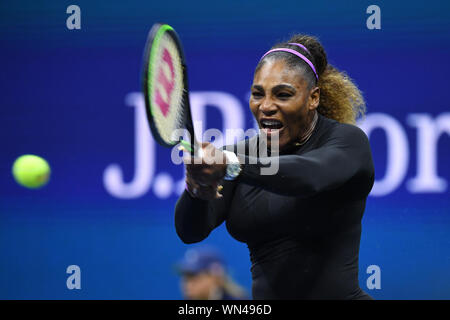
281, 102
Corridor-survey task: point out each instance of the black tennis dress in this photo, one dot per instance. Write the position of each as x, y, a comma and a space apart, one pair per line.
302, 225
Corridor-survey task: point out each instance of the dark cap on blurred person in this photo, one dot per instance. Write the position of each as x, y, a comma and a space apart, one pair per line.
201, 259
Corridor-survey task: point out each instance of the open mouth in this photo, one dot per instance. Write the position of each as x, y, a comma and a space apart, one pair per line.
271, 125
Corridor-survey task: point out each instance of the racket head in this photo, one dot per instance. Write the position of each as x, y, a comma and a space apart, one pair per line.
165, 87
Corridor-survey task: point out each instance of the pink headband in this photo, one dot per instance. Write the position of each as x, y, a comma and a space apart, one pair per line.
299, 45
298, 54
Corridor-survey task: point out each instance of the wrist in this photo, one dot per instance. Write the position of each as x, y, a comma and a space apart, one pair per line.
233, 168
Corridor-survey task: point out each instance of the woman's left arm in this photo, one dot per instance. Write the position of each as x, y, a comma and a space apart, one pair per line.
346, 154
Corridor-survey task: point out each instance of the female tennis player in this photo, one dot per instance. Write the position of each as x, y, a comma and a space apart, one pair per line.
302, 225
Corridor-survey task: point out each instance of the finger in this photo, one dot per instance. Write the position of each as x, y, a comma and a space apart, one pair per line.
195, 161
207, 193
218, 190
193, 192
197, 190
201, 170
203, 191
191, 187
205, 180
187, 159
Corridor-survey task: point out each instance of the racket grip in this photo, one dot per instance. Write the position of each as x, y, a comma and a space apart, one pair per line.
186, 145
198, 150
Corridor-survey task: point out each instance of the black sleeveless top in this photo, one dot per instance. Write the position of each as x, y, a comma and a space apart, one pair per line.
302, 225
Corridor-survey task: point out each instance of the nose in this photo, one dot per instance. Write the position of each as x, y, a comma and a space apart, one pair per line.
268, 108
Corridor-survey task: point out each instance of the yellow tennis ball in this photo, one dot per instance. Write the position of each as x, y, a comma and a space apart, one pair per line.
31, 171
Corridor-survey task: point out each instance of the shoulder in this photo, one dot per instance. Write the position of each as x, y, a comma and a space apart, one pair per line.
334, 131
351, 131
352, 141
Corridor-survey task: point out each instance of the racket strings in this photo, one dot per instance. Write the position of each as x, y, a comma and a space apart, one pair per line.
168, 90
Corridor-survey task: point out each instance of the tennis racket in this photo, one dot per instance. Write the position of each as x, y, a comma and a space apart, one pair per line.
165, 87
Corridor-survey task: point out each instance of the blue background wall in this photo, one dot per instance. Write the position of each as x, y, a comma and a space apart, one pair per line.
64, 97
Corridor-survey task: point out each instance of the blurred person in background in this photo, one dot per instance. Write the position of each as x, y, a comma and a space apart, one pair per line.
204, 276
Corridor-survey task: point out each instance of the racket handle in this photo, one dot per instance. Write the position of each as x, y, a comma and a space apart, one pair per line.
198, 150
186, 145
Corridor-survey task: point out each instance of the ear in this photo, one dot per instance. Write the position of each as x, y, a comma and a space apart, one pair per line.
314, 98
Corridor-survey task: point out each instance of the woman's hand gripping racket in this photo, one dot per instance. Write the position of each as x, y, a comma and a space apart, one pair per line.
165, 87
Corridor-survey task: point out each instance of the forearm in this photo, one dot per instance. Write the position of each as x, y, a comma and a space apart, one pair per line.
192, 219
297, 175
318, 170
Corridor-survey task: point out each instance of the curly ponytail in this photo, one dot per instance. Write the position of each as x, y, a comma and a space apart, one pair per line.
340, 98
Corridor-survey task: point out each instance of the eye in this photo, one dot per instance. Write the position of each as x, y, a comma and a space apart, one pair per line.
257, 94
284, 95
